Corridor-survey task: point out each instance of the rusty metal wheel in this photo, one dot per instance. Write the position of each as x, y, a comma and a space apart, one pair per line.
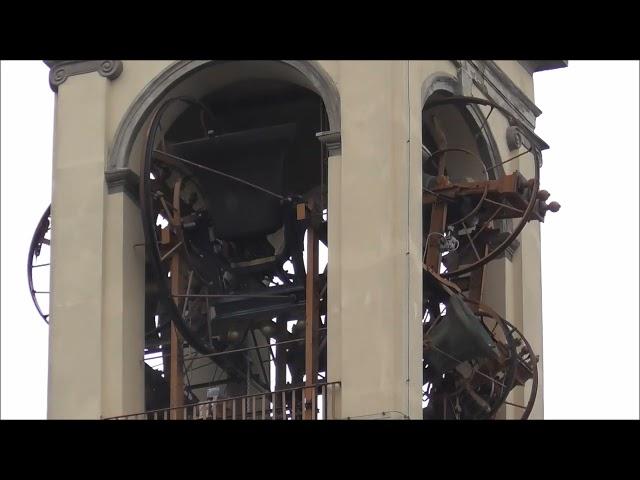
230, 285
526, 376
38, 265
477, 206
469, 361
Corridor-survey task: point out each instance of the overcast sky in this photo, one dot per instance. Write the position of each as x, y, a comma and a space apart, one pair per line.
589, 249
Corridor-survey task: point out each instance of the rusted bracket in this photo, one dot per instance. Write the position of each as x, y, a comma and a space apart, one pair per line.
508, 184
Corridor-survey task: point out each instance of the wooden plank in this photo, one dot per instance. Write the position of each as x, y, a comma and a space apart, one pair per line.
301, 211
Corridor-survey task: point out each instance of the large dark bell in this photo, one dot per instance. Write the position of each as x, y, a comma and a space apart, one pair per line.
459, 337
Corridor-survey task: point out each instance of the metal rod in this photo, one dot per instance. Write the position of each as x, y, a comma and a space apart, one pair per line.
274, 401
485, 224
466, 231
323, 389
176, 359
284, 407
333, 402
255, 342
504, 205
293, 405
508, 160
198, 355
515, 405
173, 249
236, 295
314, 409
184, 305
312, 311
439, 196
484, 123
477, 371
245, 349
218, 172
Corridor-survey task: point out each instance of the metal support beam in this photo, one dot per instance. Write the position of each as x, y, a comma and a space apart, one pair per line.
280, 363
312, 320
438, 223
176, 381
476, 283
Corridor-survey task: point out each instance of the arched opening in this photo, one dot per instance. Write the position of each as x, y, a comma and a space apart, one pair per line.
473, 358
457, 150
457, 144
234, 180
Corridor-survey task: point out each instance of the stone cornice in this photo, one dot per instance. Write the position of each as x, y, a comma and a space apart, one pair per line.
496, 85
331, 140
533, 66
122, 180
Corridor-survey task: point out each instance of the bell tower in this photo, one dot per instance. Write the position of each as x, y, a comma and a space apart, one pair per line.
296, 240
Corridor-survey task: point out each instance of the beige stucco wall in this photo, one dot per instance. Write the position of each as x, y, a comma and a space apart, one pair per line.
75, 340
377, 319
97, 276
375, 276
122, 308
518, 75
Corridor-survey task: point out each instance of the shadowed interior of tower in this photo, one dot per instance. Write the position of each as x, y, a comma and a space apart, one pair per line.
226, 179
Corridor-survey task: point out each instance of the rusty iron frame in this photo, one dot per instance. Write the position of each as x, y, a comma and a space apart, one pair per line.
508, 188
38, 239
175, 250
312, 310
507, 195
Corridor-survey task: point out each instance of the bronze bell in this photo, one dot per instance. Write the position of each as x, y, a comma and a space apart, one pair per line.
458, 337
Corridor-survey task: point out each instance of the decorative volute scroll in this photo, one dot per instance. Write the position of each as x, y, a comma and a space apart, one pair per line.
62, 69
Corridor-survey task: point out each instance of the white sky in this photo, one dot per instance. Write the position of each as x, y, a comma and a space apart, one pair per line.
589, 249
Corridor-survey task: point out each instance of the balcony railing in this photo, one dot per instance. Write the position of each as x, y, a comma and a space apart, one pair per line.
316, 402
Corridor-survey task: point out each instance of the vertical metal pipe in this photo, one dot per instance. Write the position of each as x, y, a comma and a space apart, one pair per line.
176, 378
273, 408
293, 404
324, 402
284, 407
333, 401
264, 407
312, 310
313, 405
253, 408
